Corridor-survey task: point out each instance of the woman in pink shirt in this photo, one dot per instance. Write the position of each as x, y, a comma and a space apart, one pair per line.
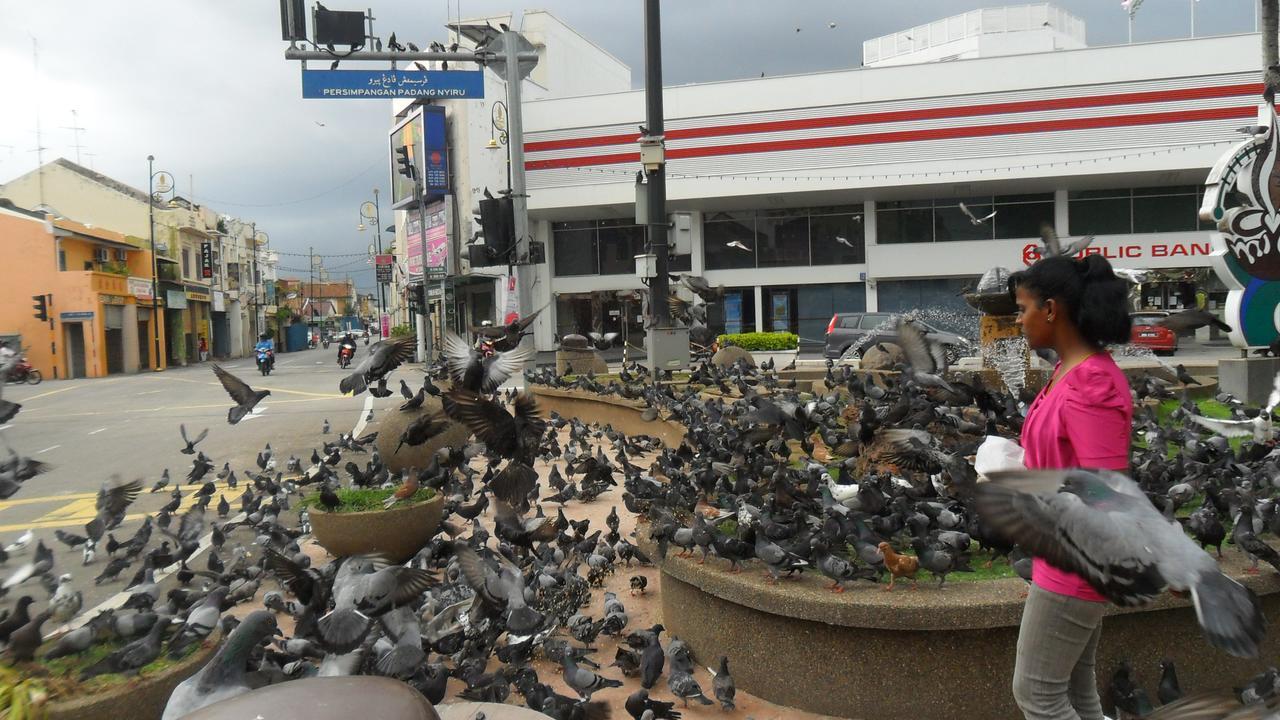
1080, 419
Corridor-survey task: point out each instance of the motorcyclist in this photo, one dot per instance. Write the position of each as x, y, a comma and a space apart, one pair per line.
266, 344
347, 341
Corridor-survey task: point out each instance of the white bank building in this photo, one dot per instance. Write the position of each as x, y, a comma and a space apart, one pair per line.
808, 195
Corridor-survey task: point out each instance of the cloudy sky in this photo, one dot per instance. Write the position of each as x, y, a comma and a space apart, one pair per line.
203, 85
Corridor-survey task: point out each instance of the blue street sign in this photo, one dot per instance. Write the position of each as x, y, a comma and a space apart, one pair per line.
386, 84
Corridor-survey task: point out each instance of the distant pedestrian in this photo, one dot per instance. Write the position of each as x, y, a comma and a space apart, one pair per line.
204, 349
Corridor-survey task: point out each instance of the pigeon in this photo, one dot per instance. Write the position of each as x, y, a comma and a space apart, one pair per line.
66, 601
199, 623
423, 428
41, 563
927, 359
21, 543
383, 357
1053, 246
479, 373
639, 703
190, 448
973, 219
585, 682
1169, 690
738, 245
244, 396
722, 685
223, 677
1184, 377
507, 337
1193, 319
24, 641
324, 429
134, 656
1102, 526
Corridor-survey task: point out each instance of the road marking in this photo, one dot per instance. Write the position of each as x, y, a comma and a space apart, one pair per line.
150, 392
119, 599
264, 387
52, 392
51, 447
6, 427
44, 499
95, 432
364, 416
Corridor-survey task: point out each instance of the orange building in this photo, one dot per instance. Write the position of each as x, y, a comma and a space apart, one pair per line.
97, 289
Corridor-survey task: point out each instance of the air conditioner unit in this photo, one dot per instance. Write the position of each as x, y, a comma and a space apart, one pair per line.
101, 255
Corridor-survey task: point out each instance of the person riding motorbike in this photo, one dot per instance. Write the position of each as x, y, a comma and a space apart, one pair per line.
347, 346
265, 350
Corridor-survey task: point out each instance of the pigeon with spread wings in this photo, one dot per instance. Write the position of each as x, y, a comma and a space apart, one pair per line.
382, 358
246, 397
475, 372
1053, 246
1101, 526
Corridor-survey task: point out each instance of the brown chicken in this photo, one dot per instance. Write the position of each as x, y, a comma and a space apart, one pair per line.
404, 492
899, 566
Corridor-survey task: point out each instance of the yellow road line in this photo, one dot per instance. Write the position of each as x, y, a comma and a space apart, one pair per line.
4, 504
223, 405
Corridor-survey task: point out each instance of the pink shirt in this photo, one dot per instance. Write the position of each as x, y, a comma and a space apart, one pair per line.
1084, 421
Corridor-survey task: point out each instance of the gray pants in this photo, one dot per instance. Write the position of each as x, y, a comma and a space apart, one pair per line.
1053, 678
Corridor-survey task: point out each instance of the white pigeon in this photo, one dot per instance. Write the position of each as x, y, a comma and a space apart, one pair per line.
846, 495
1260, 427
737, 244
66, 601
21, 543
973, 218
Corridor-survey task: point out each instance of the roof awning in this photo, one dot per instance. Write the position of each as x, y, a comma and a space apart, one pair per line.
63, 233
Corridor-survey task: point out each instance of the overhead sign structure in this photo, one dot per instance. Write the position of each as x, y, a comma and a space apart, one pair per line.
423, 132
391, 84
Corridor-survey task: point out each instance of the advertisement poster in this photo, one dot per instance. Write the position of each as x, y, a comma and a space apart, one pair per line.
437, 242
510, 300
733, 313
384, 324
424, 134
781, 311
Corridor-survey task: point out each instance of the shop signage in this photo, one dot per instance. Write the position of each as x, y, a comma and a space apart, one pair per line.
206, 259
219, 302
383, 265
78, 315
175, 299
437, 242
385, 324
198, 294
1030, 251
140, 288
111, 299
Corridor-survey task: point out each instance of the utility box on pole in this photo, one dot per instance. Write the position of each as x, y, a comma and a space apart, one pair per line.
668, 348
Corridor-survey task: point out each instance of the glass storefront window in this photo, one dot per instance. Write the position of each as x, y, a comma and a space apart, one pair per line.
837, 239
716, 236
782, 241
619, 244
574, 245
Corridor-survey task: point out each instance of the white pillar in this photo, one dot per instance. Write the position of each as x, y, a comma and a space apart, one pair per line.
869, 237
1060, 214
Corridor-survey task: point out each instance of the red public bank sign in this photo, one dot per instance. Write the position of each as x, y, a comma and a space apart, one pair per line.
1031, 251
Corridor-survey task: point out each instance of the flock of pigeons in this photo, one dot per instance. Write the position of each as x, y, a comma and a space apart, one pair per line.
839, 482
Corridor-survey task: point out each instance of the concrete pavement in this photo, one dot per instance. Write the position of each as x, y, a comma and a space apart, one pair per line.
90, 429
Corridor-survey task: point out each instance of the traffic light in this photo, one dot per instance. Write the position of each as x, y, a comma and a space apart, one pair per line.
405, 162
41, 307
498, 225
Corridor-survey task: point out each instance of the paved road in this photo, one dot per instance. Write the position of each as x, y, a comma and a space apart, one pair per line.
89, 430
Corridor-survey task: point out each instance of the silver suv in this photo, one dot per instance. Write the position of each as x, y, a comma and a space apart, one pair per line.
855, 332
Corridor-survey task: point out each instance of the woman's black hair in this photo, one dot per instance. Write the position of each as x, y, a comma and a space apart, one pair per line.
1095, 297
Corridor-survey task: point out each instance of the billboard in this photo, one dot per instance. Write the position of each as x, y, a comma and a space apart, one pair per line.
423, 132
437, 214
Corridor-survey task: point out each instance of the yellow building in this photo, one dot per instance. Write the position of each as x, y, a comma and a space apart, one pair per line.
97, 287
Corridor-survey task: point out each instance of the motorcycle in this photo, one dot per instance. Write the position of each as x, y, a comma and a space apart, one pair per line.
345, 353
22, 371
266, 361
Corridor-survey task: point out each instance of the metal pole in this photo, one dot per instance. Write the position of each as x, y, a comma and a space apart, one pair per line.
425, 344
377, 218
519, 199
1193, 17
155, 265
656, 181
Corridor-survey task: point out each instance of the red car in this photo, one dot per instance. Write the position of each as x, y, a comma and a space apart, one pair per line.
1148, 333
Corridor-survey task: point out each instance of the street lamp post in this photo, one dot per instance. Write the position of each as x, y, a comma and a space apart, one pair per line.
156, 317
259, 318
376, 217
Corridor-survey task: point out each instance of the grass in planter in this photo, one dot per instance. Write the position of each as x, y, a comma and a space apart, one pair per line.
61, 676
364, 500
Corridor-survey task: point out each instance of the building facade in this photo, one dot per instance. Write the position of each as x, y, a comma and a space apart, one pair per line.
204, 316
840, 191
96, 285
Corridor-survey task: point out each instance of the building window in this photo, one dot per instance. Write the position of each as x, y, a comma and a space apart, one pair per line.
1139, 210
602, 247
186, 263
942, 220
574, 244
62, 260
783, 238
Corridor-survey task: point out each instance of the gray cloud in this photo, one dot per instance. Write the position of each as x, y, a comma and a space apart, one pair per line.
204, 86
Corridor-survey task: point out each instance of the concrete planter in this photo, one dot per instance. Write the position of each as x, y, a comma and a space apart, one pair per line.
780, 358
398, 533
143, 697
394, 422
967, 632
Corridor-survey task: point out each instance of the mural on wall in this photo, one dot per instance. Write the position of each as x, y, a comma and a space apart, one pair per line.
1242, 196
